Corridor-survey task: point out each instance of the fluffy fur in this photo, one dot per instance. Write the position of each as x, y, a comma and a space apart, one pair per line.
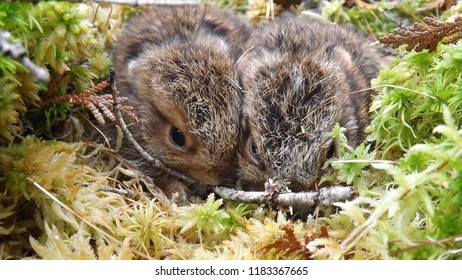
299, 80
177, 67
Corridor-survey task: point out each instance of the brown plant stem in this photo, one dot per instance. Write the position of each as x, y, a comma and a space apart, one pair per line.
425, 244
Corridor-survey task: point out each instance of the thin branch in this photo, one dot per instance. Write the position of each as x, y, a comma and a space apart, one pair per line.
324, 197
127, 2
122, 192
17, 51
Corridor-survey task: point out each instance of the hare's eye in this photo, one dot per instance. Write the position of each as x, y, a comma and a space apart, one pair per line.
332, 151
177, 137
252, 148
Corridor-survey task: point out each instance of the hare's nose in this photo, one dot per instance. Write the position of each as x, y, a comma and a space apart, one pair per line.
228, 178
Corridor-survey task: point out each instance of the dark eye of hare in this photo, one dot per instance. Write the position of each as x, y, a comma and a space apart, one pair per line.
332, 151
253, 151
177, 137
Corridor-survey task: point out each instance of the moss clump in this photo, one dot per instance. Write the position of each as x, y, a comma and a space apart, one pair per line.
410, 191
407, 173
412, 93
72, 41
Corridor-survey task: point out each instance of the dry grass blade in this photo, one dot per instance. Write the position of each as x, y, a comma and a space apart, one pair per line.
437, 4
102, 232
360, 4
425, 244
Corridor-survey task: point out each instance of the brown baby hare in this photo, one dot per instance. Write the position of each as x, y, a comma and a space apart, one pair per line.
176, 66
299, 80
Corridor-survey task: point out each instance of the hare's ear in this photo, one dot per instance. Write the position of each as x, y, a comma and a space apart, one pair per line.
132, 68
357, 81
341, 56
127, 77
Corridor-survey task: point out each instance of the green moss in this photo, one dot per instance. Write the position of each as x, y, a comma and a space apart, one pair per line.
207, 220
411, 94
67, 39
14, 18
409, 206
11, 106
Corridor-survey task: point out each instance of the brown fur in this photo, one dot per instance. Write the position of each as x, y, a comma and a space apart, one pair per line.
299, 80
177, 66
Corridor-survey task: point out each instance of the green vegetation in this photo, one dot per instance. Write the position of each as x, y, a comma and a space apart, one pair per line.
407, 173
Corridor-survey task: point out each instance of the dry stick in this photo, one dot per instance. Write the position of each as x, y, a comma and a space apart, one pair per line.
154, 161
17, 51
129, 2
122, 192
324, 197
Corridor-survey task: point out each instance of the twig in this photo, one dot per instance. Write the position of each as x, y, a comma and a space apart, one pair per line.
17, 51
128, 2
122, 192
324, 197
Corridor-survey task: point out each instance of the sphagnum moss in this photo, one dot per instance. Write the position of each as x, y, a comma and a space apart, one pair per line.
416, 129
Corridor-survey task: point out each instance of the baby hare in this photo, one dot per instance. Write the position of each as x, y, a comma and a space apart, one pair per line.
176, 66
299, 80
